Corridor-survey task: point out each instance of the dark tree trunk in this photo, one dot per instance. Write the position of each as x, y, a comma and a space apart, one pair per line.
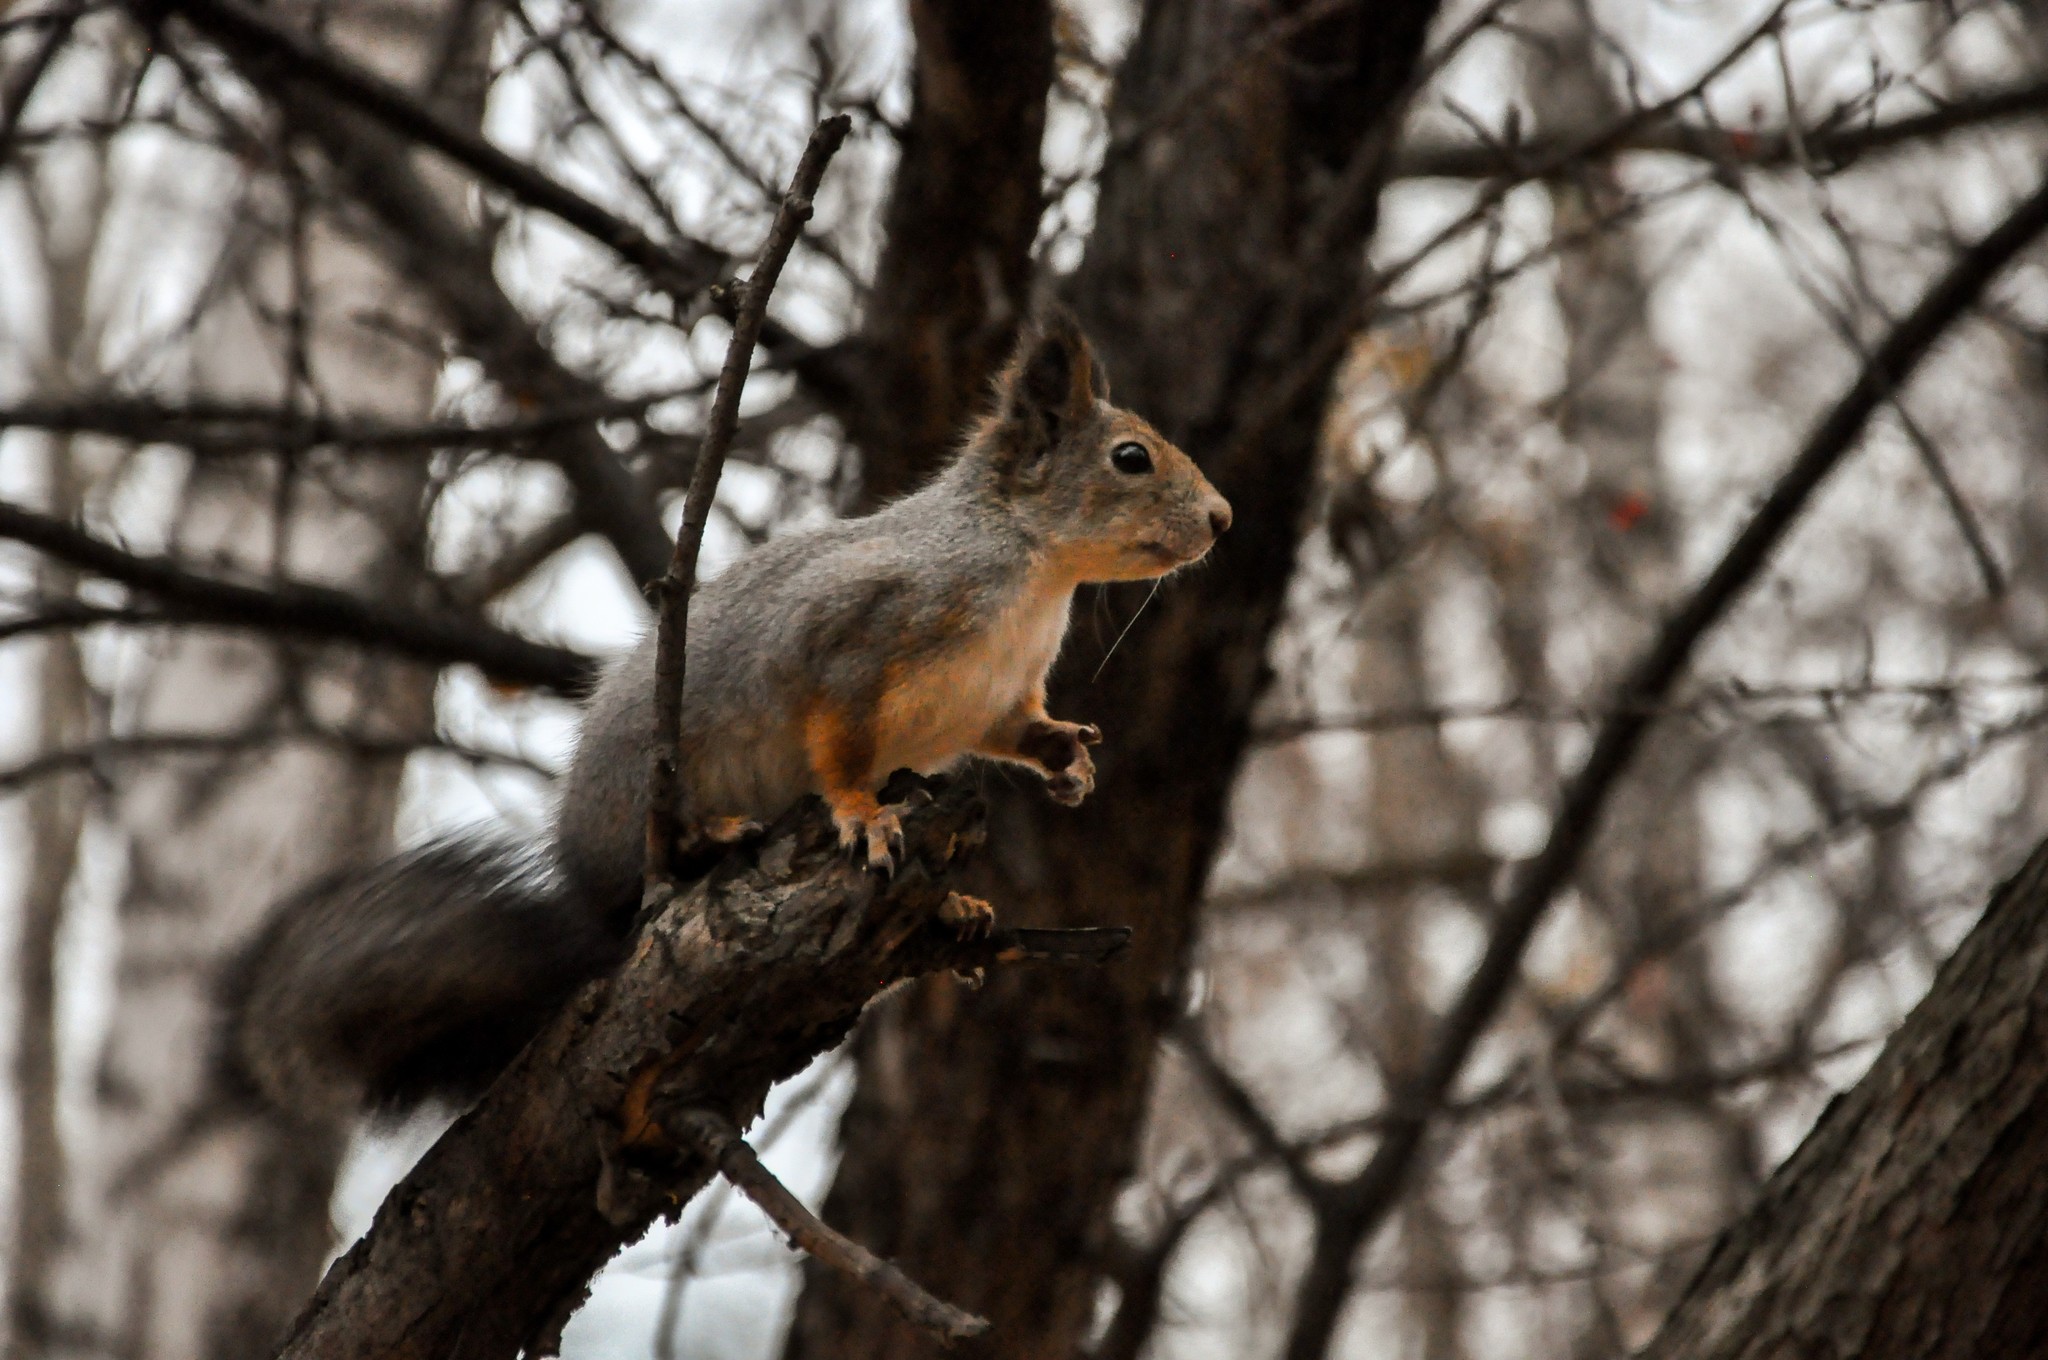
990, 1131
954, 278
1912, 1224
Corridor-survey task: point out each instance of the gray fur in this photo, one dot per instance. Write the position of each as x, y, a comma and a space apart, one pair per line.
819, 611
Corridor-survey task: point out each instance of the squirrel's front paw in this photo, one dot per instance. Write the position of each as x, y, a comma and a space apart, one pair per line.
1062, 749
871, 836
971, 917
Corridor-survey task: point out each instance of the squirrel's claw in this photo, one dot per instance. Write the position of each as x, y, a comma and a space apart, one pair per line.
873, 839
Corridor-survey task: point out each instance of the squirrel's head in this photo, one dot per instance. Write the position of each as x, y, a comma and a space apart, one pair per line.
1109, 496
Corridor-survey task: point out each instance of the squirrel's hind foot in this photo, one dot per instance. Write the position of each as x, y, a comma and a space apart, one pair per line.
716, 833
871, 836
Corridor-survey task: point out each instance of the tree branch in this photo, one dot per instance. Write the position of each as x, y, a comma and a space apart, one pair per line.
298, 609
673, 587
490, 1242
234, 427
89, 756
1366, 1200
682, 269
714, 1136
14, 98
1912, 1223
452, 265
1833, 141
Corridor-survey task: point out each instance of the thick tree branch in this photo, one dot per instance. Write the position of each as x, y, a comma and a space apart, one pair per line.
962, 1130
682, 269
673, 587
1912, 1224
297, 609
490, 1242
1366, 1200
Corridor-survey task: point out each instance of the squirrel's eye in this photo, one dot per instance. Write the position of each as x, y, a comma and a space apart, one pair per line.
1131, 458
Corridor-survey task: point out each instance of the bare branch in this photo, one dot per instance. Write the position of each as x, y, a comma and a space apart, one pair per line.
491, 1240
229, 427
300, 609
90, 756
673, 589
1832, 141
714, 1136
14, 98
682, 269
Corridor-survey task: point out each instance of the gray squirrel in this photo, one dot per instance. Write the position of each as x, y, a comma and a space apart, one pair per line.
818, 663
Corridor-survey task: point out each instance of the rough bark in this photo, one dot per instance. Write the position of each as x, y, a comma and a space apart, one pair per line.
1912, 1224
489, 1244
988, 1136
954, 277
195, 1233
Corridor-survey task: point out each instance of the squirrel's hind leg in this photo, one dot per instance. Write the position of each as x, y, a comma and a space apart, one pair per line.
841, 748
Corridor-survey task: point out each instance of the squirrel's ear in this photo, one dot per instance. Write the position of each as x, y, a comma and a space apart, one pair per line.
1055, 381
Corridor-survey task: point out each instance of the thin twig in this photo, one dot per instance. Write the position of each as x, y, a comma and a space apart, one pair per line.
682, 269
672, 590
714, 1135
1831, 141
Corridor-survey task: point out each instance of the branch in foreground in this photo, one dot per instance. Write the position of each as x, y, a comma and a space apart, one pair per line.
1912, 1223
489, 1244
672, 588
298, 609
713, 1135
1347, 1220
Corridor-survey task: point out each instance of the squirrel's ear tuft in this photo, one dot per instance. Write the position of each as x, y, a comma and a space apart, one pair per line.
1054, 382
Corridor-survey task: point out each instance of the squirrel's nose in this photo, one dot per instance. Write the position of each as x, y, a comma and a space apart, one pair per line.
1219, 517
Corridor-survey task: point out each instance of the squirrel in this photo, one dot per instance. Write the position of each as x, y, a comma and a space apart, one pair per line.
819, 663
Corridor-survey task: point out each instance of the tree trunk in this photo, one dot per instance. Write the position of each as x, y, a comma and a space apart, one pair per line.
955, 277
1912, 1224
989, 1132
198, 1225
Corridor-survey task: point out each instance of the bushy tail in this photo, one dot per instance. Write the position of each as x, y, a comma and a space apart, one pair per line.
416, 978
